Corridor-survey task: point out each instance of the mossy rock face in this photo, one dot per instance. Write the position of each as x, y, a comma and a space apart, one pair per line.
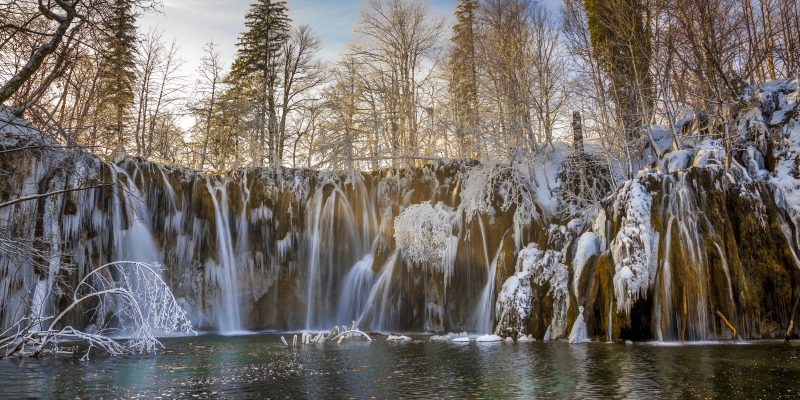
596, 283
736, 261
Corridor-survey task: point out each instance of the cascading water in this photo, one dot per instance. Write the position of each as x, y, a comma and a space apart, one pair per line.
130, 214
224, 273
483, 316
355, 290
377, 303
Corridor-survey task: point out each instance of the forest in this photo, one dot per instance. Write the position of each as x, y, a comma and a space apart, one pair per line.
498, 80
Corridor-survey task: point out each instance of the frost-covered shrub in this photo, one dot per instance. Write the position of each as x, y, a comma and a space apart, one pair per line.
476, 191
488, 185
423, 235
585, 180
635, 247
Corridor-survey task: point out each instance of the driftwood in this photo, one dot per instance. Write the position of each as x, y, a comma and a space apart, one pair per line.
685, 317
337, 334
790, 329
727, 323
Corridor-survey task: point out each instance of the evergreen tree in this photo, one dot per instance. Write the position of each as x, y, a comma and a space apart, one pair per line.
258, 59
620, 40
464, 77
118, 70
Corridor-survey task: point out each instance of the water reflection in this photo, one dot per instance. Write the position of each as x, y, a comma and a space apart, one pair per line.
258, 366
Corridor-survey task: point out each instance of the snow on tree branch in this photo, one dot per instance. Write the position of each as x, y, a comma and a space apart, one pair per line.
483, 182
126, 299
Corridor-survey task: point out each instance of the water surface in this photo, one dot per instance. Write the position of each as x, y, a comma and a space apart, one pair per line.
258, 366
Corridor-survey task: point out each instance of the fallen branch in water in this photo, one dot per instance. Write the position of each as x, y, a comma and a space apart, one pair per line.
728, 324
790, 329
130, 295
337, 334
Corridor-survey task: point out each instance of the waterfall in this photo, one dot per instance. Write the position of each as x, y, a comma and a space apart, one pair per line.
327, 251
224, 273
483, 315
663, 300
294, 249
727, 271
381, 287
355, 290
130, 215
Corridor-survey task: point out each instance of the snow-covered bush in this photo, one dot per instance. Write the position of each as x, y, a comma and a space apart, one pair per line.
423, 235
585, 180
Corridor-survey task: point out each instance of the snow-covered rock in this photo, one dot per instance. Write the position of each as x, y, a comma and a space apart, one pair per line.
635, 247
539, 273
398, 339
489, 338
448, 336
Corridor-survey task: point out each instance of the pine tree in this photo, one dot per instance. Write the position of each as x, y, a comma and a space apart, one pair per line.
258, 56
464, 77
620, 40
118, 70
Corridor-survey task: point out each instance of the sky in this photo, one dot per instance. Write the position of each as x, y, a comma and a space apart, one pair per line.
193, 23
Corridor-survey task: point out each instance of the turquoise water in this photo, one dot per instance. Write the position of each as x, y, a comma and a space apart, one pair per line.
259, 366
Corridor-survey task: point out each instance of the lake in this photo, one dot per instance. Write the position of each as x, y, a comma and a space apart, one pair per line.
259, 366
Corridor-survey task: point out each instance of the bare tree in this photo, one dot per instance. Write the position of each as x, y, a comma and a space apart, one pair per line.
397, 38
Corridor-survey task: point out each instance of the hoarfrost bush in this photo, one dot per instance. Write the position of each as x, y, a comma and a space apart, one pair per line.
508, 183
423, 235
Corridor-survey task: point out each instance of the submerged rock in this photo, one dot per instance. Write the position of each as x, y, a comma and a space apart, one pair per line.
398, 339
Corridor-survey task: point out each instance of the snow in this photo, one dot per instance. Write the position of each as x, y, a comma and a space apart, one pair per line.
662, 139
448, 337
488, 339
635, 247
786, 177
676, 160
709, 153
